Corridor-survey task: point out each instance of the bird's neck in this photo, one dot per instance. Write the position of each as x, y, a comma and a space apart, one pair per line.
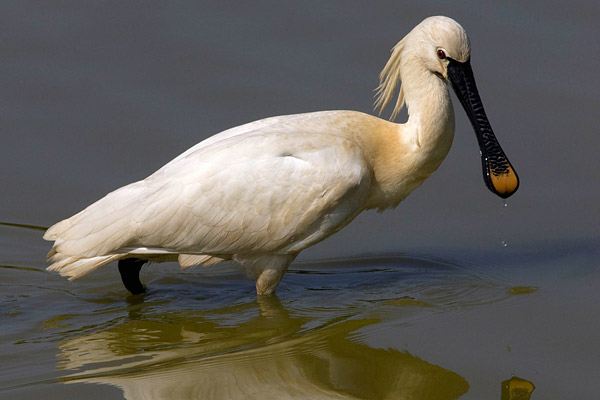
430, 125
411, 152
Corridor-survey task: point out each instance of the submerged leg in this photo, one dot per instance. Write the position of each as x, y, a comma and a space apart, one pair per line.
267, 270
268, 280
129, 268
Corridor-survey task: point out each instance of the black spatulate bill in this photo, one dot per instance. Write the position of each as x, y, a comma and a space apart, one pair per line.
498, 173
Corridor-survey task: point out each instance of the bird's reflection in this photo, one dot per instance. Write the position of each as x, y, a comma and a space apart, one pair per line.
272, 354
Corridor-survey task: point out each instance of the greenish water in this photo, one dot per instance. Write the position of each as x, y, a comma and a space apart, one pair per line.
404, 326
450, 296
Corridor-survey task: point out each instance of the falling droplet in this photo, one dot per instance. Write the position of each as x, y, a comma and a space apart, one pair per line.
505, 203
504, 243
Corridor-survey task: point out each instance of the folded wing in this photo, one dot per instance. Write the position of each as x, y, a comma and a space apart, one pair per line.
274, 191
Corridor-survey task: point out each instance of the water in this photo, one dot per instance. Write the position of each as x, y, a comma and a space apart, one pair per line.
365, 327
421, 302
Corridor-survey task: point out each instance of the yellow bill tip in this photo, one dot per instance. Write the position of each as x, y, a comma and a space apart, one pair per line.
504, 183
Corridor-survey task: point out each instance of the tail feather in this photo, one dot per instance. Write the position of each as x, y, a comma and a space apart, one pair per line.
52, 233
75, 267
101, 228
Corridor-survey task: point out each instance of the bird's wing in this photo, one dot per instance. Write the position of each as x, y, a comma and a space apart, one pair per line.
263, 192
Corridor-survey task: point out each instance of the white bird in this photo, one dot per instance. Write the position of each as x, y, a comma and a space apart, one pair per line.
262, 192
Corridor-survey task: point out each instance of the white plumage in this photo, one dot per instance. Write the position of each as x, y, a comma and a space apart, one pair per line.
262, 192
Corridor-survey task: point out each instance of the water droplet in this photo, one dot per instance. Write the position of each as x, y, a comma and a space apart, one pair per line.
504, 243
505, 203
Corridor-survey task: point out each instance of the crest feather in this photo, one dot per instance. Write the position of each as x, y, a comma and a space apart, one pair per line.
389, 78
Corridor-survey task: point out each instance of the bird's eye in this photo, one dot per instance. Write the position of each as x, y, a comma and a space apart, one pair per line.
441, 54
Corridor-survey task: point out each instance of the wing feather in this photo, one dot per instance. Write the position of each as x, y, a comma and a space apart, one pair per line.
276, 190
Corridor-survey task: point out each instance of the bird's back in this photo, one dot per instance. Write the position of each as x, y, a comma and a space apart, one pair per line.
274, 186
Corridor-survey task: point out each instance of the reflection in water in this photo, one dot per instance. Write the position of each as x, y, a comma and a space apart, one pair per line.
272, 355
517, 389
229, 344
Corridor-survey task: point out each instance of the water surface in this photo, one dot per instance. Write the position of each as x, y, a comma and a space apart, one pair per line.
449, 296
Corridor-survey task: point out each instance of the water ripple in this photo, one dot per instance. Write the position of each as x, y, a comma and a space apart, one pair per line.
206, 334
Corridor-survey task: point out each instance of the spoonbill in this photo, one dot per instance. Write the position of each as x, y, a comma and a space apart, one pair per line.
262, 192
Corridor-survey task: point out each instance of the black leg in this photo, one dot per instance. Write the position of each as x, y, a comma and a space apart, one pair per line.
129, 268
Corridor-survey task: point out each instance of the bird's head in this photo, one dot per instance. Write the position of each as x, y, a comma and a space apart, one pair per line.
440, 46
436, 42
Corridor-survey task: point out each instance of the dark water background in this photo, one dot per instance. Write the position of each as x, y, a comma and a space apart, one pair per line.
445, 297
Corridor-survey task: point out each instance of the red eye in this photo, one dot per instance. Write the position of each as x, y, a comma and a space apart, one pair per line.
441, 54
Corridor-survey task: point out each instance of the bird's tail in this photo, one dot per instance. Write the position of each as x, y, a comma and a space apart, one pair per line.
75, 267
92, 238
